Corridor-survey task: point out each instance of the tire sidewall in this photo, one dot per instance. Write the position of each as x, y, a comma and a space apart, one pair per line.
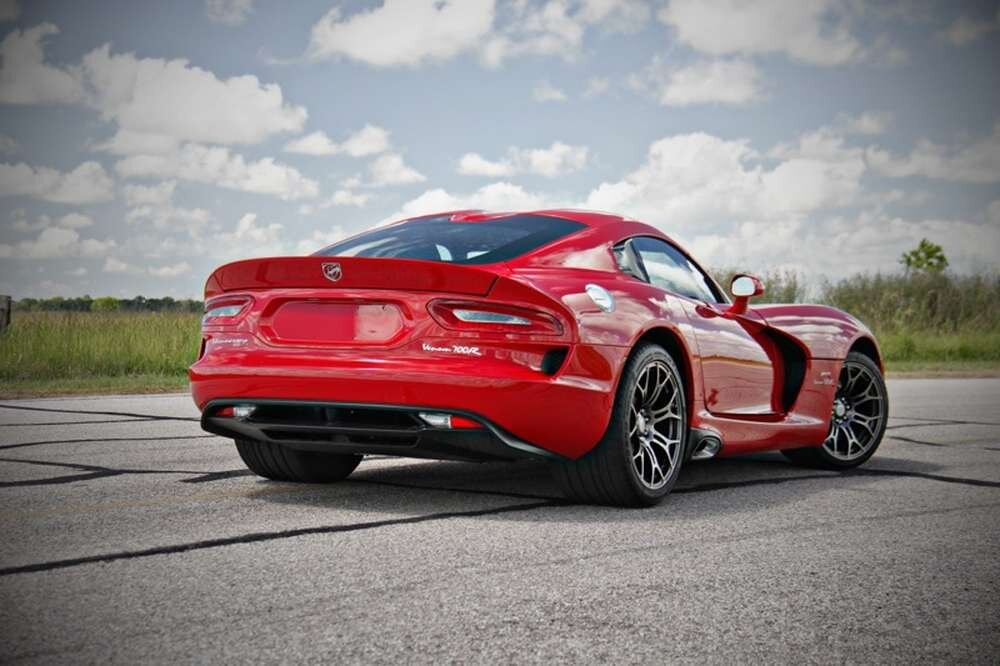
618, 438
837, 463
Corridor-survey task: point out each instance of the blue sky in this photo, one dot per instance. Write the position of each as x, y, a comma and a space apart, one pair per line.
144, 143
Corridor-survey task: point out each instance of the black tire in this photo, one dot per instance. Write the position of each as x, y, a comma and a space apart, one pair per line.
606, 474
280, 463
820, 456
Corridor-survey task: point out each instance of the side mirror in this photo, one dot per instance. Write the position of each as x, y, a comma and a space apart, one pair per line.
743, 288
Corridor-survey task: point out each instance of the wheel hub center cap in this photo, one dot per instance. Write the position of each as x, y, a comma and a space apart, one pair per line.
840, 409
641, 423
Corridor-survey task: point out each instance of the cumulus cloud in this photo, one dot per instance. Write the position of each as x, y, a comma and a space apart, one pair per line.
546, 92
699, 180
557, 28
182, 102
369, 140
21, 223
976, 162
719, 81
219, 166
494, 197
154, 103
25, 77
87, 183
597, 86
556, 160
171, 270
422, 31
57, 242
390, 169
228, 12
812, 31
320, 239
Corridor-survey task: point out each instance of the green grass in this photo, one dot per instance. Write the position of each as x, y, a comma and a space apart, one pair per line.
81, 349
62, 353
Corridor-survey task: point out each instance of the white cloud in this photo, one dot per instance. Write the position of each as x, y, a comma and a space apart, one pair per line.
113, 265
346, 197
369, 140
556, 160
389, 169
9, 10
170, 271
474, 164
153, 195
74, 221
966, 30
248, 239
25, 77
977, 162
494, 197
813, 31
69, 221
557, 27
735, 82
315, 143
597, 86
868, 122
178, 101
218, 166
57, 242
402, 32
699, 181
320, 239
228, 12
546, 92
87, 183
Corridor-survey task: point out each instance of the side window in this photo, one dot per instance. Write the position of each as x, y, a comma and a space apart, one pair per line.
669, 269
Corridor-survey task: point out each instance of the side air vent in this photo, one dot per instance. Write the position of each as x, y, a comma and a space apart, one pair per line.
553, 360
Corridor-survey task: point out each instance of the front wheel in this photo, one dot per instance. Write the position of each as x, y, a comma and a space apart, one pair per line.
637, 461
280, 463
860, 412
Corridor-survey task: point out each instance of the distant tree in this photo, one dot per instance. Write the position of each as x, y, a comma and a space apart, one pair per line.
926, 257
104, 304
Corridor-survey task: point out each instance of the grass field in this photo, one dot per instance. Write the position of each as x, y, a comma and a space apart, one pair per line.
48, 353
56, 353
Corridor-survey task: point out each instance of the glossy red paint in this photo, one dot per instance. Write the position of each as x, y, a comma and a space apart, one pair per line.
381, 333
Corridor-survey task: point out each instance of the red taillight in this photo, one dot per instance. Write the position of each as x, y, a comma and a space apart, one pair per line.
224, 412
225, 310
493, 317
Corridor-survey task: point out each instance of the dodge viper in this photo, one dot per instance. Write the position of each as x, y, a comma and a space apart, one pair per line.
591, 340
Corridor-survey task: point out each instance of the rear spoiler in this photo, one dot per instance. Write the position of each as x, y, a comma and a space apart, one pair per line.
317, 272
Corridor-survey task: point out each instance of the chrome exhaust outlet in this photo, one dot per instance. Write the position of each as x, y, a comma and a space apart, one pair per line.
707, 448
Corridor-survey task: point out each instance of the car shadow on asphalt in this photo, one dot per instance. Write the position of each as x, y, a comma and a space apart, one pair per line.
716, 487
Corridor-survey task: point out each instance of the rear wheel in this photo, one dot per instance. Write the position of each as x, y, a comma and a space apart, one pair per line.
283, 464
860, 412
637, 461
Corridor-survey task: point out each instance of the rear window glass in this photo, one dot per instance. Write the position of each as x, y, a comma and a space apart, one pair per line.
461, 242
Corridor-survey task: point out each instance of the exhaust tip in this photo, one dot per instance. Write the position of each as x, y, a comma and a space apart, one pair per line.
707, 448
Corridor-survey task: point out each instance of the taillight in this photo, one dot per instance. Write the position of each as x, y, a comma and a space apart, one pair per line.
493, 317
224, 310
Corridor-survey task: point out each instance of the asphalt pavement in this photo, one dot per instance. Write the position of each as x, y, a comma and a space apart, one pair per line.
129, 535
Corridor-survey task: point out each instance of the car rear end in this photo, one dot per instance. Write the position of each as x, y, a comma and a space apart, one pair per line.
396, 356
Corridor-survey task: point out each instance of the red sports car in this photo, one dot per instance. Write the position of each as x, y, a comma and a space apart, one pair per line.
588, 339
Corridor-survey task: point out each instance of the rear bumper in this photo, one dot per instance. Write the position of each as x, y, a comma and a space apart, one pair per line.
525, 411
387, 429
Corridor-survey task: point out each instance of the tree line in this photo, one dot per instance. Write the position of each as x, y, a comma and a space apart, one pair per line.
108, 304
